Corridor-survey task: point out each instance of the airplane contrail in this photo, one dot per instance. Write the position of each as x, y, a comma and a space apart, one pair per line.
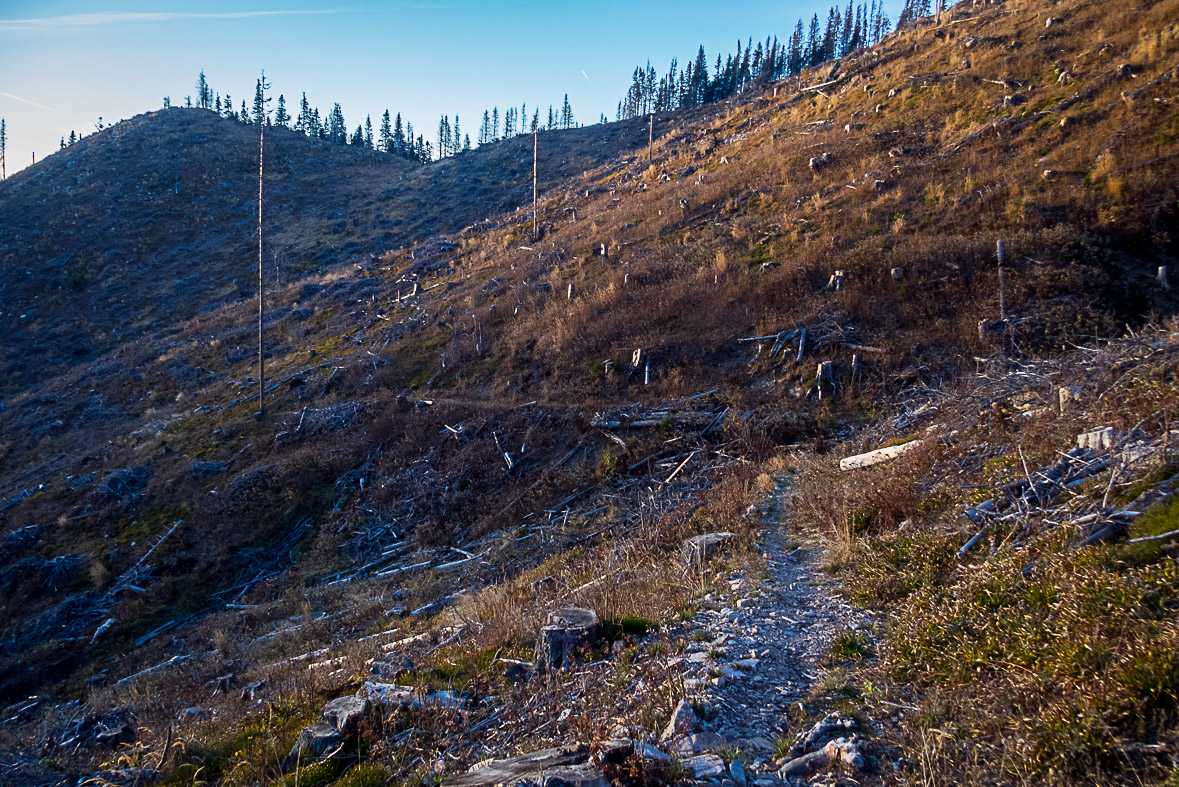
38, 106
49, 23
587, 79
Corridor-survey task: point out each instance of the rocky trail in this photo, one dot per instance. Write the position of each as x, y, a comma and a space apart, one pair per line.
754, 672
757, 655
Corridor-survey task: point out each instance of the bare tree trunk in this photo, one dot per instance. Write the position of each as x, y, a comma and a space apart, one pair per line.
1001, 253
261, 283
534, 145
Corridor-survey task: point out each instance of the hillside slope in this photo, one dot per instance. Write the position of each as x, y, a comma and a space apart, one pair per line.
466, 434
140, 225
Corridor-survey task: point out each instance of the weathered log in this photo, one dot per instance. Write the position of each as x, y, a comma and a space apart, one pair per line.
878, 456
844, 752
565, 765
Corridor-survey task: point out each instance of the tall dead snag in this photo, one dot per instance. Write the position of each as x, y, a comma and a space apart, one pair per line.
989, 328
535, 133
261, 108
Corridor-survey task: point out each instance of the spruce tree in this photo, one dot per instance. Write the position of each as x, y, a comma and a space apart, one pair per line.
304, 122
485, 128
337, 128
203, 93
466, 142
814, 44
566, 113
495, 124
398, 137
368, 132
385, 140
281, 118
456, 144
260, 115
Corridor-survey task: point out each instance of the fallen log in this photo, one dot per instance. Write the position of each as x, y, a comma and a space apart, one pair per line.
879, 456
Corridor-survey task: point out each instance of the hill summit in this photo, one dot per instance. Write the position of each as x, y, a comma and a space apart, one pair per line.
826, 436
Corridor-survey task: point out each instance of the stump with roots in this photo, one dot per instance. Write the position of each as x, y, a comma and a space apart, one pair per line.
567, 631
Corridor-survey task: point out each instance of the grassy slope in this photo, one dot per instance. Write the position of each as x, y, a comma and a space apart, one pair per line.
1083, 243
146, 222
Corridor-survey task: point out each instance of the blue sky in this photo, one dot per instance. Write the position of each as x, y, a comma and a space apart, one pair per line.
64, 64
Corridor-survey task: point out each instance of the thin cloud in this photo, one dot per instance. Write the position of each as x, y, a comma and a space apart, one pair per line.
587, 79
55, 23
38, 106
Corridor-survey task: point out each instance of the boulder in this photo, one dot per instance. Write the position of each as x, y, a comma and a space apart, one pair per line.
564, 766
392, 667
568, 630
697, 550
392, 697
313, 742
706, 766
700, 742
683, 722
344, 714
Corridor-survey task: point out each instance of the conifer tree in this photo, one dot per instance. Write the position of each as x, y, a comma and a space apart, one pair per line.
229, 108
566, 114
337, 128
244, 117
399, 137
216, 104
485, 128
456, 143
304, 122
204, 95
260, 115
466, 142
281, 118
814, 44
495, 124
368, 132
385, 140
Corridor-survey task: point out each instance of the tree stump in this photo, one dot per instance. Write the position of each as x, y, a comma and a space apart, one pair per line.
568, 630
698, 549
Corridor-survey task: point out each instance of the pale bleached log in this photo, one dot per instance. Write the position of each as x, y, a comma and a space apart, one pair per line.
878, 456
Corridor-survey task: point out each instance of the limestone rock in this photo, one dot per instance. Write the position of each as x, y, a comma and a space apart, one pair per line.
315, 741
682, 723
707, 766
568, 630
392, 667
344, 714
706, 741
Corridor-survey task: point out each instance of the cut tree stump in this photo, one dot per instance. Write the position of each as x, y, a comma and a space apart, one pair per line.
697, 550
567, 631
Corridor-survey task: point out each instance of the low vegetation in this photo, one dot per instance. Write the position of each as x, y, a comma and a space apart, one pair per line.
469, 425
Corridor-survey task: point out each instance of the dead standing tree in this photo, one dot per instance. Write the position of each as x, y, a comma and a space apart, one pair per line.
535, 136
260, 107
